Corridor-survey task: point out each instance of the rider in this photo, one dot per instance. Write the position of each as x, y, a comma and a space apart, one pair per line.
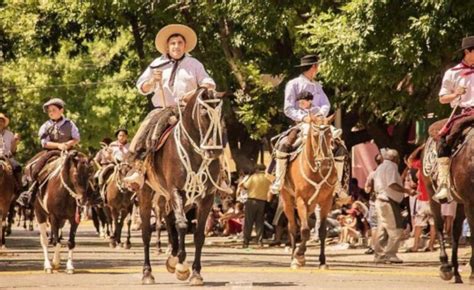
56, 135
305, 101
457, 89
170, 77
8, 142
120, 147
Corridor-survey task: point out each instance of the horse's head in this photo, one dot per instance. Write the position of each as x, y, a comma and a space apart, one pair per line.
79, 173
321, 135
203, 113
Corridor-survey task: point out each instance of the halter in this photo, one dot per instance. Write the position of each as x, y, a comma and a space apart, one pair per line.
318, 151
195, 184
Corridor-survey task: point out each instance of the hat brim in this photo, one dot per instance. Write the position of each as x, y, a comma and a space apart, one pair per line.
7, 121
307, 64
161, 39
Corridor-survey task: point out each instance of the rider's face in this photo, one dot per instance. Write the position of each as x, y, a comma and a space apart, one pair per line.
469, 56
54, 112
304, 104
176, 46
122, 137
2, 124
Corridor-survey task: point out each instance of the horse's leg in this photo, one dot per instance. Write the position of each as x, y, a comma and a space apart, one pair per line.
71, 245
469, 211
182, 269
158, 217
202, 213
304, 229
115, 220
56, 242
31, 216
121, 218
145, 198
446, 270
456, 234
2, 231
172, 260
128, 244
11, 217
325, 209
288, 209
44, 244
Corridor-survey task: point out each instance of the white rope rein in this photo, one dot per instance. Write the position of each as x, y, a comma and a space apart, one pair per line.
195, 183
317, 168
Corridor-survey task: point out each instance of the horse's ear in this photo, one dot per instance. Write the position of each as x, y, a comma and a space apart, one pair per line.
220, 95
330, 119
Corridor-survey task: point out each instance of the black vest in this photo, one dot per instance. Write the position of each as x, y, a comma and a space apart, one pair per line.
61, 134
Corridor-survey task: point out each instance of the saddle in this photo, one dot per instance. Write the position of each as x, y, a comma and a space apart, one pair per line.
458, 130
166, 134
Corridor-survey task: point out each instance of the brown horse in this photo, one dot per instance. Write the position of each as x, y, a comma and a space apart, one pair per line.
118, 204
63, 189
462, 172
310, 180
7, 195
185, 171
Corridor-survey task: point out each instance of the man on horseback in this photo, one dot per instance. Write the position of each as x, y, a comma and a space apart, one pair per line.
170, 78
457, 90
305, 101
8, 142
56, 135
120, 147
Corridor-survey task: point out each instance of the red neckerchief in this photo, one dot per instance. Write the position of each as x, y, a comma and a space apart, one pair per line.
465, 66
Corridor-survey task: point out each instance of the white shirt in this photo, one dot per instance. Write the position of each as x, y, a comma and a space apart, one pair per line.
453, 79
6, 141
301, 84
119, 151
190, 75
385, 175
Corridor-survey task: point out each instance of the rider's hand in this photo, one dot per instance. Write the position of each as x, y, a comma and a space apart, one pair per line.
157, 75
317, 118
459, 91
62, 147
16, 137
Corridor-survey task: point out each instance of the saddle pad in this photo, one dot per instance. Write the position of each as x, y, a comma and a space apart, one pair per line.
164, 137
434, 129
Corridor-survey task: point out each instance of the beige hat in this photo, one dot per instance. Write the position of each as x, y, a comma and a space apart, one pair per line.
161, 40
7, 121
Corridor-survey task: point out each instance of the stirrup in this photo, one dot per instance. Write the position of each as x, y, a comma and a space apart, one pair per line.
443, 195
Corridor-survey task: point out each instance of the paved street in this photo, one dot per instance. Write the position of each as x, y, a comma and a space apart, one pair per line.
224, 267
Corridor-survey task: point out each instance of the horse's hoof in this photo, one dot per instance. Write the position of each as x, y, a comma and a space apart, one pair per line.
446, 275
323, 267
4, 247
171, 263
148, 279
295, 265
196, 280
30, 228
55, 267
458, 280
112, 245
301, 260
182, 271
127, 245
48, 271
70, 271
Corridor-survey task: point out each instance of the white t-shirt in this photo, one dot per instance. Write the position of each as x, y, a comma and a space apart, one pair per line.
453, 79
385, 175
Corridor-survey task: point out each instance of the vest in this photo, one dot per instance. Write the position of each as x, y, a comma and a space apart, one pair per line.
61, 134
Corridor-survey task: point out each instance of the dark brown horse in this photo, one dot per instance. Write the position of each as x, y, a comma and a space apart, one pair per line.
7, 195
184, 171
462, 172
63, 189
311, 180
118, 204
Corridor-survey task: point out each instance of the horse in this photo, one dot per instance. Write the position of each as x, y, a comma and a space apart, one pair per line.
7, 195
63, 189
184, 171
310, 180
118, 204
462, 170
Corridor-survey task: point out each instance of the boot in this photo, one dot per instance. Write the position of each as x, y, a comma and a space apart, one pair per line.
280, 171
135, 179
444, 193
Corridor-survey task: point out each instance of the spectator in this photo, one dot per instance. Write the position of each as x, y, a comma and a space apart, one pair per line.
372, 215
231, 221
448, 211
258, 187
390, 193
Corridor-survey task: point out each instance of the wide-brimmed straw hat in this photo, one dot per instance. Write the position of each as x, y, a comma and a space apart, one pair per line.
161, 40
467, 42
7, 121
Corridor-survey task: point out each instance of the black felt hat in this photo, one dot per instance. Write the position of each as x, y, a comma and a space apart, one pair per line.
308, 60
